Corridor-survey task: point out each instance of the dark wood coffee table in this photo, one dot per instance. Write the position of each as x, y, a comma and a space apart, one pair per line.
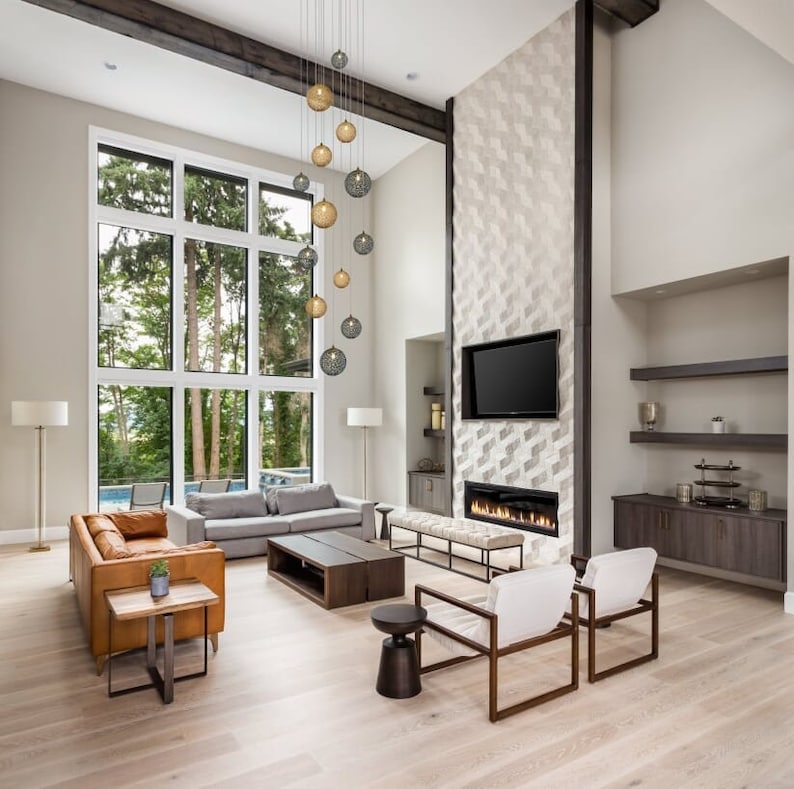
334, 569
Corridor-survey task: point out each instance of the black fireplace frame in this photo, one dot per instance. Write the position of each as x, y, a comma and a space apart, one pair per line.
547, 500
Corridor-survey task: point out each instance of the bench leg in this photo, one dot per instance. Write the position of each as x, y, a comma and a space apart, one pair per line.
449, 554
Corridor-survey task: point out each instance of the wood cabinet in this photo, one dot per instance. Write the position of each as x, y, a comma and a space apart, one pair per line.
752, 543
426, 491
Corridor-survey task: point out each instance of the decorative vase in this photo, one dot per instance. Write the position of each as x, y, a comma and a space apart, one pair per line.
648, 414
158, 585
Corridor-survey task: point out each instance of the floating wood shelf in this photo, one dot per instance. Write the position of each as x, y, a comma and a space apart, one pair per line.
434, 433
763, 364
772, 441
433, 391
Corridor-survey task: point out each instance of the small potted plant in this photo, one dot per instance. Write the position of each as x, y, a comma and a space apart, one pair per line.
159, 577
717, 424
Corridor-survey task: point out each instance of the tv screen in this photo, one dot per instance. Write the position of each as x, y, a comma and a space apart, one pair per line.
511, 379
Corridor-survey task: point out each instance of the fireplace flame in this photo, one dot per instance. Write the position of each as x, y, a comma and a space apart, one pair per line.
508, 514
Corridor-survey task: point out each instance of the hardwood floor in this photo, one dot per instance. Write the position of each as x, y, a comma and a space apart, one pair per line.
290, 701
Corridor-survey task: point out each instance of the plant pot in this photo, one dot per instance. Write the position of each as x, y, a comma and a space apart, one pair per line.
718, 427
158, 585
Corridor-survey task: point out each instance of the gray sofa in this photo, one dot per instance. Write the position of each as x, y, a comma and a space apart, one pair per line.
240, 522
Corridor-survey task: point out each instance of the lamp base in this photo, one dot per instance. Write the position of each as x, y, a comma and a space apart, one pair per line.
38, 548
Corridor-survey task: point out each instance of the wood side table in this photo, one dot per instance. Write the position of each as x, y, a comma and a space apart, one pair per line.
136, 603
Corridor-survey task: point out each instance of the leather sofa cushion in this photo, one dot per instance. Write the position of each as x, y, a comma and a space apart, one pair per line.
302, 498
234, 528
112, 545
140, 523
315, 520
239, 504
149, 545
99, 523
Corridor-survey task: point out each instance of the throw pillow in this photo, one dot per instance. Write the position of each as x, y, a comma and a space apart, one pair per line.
111, 545
272, 500
303, 498
140, 523
99, 523
240, 504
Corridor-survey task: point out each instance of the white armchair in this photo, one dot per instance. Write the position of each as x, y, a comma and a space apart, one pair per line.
611, 589
523, 609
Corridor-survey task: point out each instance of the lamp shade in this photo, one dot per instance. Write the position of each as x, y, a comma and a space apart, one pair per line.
39, 413
364, 417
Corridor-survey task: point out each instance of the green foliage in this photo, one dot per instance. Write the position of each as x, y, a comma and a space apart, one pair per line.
159, 568
135, 277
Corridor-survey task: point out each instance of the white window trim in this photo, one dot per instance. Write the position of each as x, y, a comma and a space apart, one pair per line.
178, 379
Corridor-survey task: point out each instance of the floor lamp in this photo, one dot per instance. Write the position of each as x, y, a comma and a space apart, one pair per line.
364, 418
40, 414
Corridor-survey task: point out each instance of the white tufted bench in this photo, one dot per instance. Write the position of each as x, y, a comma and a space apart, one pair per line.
486, 537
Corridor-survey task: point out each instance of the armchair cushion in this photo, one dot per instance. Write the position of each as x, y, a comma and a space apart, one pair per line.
100, 523
112, 545
619, 579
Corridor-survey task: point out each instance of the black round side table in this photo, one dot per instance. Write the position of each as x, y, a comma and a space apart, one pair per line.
384, 510
398, 675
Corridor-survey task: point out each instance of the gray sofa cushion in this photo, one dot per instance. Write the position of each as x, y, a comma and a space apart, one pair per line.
303, 498
272, 501
236, 528
314, 520
240, 504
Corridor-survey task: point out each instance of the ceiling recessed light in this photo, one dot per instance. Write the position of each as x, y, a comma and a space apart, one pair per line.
752, 270
412, 75
110, 66
660, 291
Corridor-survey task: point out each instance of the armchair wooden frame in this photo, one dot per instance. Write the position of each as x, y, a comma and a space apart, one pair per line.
593, 623
565, 629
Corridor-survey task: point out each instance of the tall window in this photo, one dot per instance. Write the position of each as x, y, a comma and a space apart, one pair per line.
204, 351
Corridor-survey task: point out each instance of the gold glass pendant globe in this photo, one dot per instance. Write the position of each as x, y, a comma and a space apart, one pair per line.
316, 306
341, 278
345, 132
321, 155
323, 214
319, 97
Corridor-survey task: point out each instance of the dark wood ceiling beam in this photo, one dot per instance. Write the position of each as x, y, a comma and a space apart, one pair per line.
178, 32
632, 12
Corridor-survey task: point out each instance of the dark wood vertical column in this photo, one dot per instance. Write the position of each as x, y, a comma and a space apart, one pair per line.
448, 210
583, 233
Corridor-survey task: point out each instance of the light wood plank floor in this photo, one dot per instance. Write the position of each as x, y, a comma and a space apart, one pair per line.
289, 699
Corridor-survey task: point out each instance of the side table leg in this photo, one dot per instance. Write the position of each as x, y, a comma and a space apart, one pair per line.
168, 659
151, 642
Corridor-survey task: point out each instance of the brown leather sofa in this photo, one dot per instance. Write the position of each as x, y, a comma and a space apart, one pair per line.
114, 551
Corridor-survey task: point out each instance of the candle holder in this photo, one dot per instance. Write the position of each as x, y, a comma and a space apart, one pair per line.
648, 414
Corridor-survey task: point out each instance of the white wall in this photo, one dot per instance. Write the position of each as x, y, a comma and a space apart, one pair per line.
703, 163
618, 329
44, 268
409, 295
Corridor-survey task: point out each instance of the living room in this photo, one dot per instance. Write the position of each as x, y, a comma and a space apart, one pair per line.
713, 231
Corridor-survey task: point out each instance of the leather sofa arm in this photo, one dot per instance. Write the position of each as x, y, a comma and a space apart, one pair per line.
367, 509
185, 526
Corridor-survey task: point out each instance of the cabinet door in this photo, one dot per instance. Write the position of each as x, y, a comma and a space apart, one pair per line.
639, 525
747, 545
426, 492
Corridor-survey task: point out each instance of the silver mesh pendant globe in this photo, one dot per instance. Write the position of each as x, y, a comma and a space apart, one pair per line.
358, 183
307, 258
300, 183
351, 327
363, 243
339, 59
333, 361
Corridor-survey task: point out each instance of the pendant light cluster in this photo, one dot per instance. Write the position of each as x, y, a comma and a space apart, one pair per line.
320, 98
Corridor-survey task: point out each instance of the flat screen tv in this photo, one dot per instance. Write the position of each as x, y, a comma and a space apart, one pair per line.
511, 379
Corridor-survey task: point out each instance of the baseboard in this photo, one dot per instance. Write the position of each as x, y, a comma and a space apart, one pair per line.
788, 602
21, 536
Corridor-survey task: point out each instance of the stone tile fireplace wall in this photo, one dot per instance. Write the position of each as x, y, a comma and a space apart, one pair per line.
513, 261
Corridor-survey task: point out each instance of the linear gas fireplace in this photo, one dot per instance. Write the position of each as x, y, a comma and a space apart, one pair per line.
521, 508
